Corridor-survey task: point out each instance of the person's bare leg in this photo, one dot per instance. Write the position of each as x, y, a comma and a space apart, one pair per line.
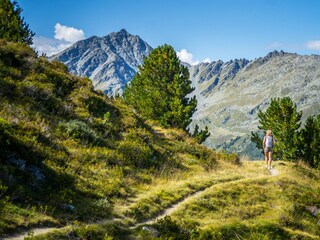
266, 158
269, 159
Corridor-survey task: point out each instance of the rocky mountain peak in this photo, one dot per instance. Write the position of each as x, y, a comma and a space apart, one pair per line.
110, 61
122, 34
270, 56
276, 53
123, 31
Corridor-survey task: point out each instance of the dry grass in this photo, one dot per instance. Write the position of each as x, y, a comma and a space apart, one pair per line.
258, 197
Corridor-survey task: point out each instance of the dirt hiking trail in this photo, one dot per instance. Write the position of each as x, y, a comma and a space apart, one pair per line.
167, 212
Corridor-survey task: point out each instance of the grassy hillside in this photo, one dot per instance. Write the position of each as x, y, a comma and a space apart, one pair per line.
231, 202
258, 206
70, 153
72, 158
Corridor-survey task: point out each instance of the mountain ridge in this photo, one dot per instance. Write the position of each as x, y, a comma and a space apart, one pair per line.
112, 61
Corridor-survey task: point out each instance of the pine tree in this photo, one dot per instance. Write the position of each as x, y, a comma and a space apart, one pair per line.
202, 135
159, 90
310, 141
12, 25
283, 119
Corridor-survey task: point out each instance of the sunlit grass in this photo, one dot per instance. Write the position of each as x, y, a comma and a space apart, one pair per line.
258, 197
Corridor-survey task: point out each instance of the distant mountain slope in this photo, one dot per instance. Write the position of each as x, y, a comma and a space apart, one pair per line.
230, 94
110, 61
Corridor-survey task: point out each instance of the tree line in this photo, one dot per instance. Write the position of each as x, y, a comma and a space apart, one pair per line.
293, 141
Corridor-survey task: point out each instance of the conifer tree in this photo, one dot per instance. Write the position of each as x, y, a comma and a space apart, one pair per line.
310, 141
283, 119
159, 90
202, 135
12, 25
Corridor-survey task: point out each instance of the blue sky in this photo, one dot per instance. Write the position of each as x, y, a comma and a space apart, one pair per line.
199, 29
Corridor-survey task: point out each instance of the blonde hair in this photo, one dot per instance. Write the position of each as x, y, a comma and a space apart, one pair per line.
269, 132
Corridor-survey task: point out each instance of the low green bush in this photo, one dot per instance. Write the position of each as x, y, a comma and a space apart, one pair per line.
136, 153
230, 157
171, 229
4, 135
81, 131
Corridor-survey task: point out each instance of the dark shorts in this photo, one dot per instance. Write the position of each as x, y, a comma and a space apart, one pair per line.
268, 149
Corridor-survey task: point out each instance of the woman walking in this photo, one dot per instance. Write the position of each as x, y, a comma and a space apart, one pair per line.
267, 145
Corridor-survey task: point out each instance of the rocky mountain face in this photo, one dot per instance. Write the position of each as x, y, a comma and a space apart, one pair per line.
230, 94
110, 61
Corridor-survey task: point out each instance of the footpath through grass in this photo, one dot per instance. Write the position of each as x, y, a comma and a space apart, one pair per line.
235, 202
261, 206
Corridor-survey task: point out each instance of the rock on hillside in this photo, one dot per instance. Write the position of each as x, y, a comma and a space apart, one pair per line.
230, 94
110, 61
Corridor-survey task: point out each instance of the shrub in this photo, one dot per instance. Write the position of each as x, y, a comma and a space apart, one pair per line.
4, 132
94, 209
83, 231
3, 190
232, 157
63, 82
4, 136
16, 55
98, 106
81, 131
136, 152
170, 229
7, 85
141, 134
208, 158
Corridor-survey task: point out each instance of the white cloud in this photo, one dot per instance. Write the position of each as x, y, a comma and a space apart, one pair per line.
64, 38
187, 57
49, 46
313, 45
68, 34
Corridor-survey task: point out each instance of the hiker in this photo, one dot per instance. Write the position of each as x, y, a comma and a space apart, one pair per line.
267, 145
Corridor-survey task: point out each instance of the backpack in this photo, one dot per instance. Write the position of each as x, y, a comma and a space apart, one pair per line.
269, 142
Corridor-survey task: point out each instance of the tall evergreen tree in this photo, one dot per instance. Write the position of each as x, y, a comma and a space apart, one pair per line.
310, 141
12, 25
283, 119
159, 90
